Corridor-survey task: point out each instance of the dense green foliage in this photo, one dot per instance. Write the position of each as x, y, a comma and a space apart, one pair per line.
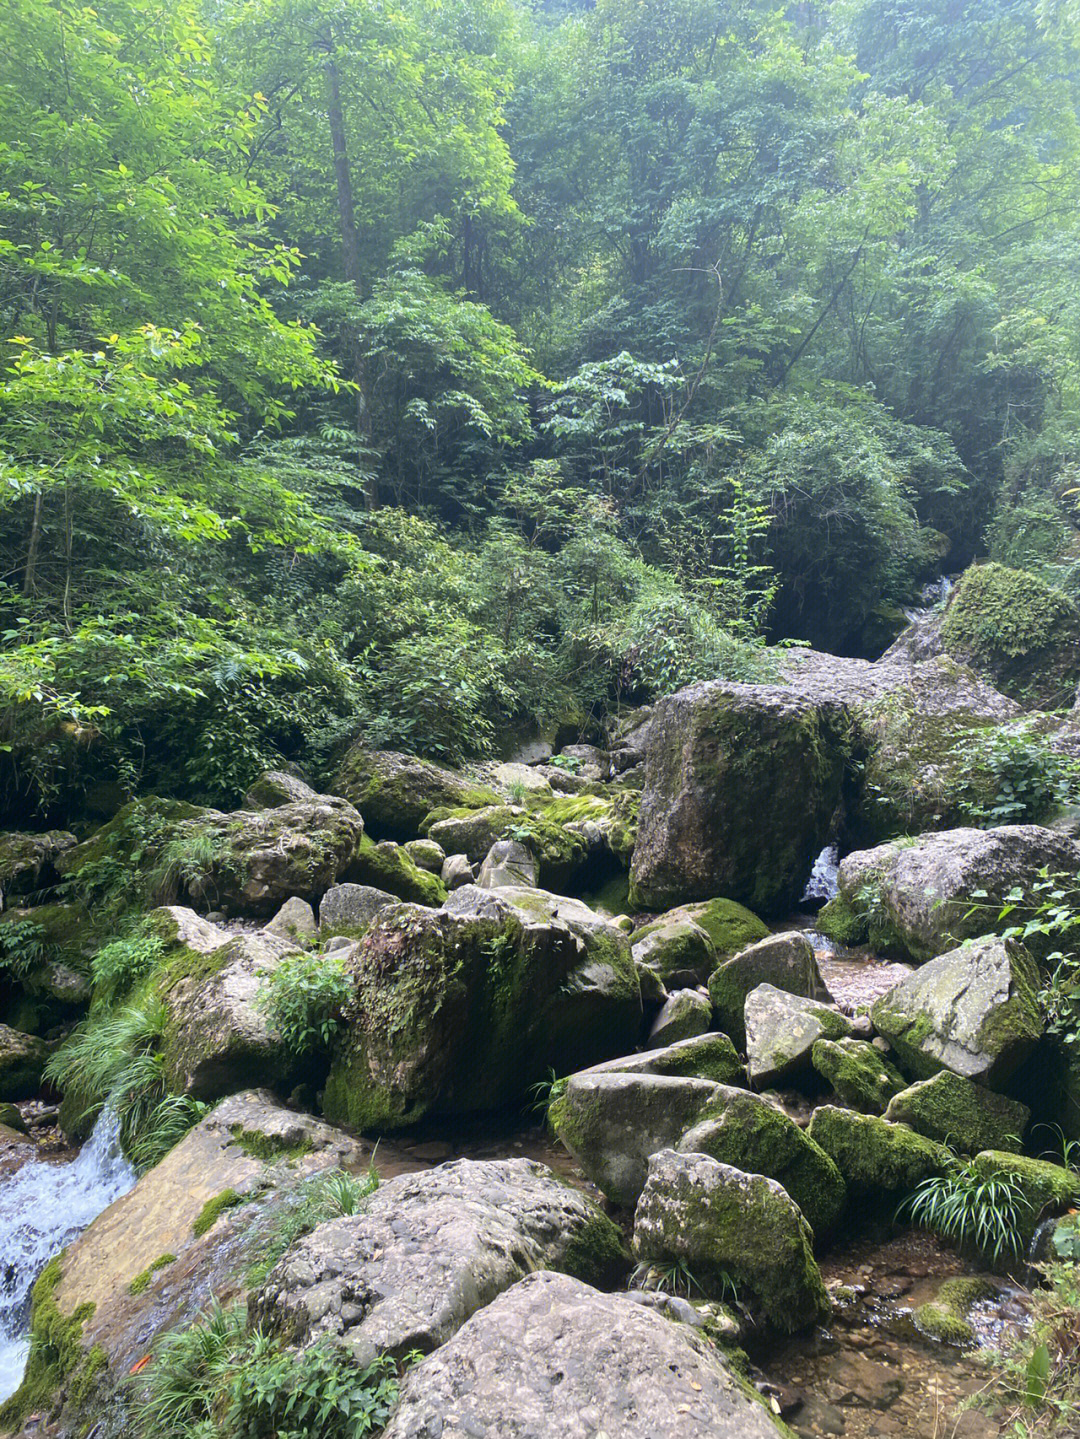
415, 369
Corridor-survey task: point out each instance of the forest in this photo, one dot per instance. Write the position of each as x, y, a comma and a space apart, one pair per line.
423, 370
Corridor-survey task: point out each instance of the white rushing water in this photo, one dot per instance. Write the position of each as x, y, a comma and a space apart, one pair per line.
822, 884
44, 1206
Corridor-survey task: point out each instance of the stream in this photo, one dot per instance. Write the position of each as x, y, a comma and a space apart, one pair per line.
43, 1206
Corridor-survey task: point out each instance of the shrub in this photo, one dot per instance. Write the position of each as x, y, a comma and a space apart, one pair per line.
223, 1379
121, 963
303, 997
970, 1209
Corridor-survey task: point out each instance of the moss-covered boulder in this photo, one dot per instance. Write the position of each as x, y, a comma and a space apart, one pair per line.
251, 861
727, 1226
781, 1031
1048, 1188
963, 1115
612, 1123
945, 1318
22, 1058
707, 1056
873, 1155
27, 861
917, 898
731, 926
784, 961
462, 1009
45, 955
427, 854
394, 792
1019, 630
859, 1073
276, 787
678, 951
562, 847
742, 784
388, 866
684, 1014
749, 1133
974, 1011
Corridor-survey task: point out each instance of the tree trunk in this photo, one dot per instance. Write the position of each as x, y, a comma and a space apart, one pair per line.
30, 572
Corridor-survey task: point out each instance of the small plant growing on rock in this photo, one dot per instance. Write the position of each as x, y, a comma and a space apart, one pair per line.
985, 1213
333, 1195
303, 998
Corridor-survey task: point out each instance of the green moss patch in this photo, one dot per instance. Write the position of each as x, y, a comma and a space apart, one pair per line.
213, 1209
141, 1282
268, 1148
56, 1350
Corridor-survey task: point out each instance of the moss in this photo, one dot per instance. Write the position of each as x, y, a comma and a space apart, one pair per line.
712, 1056
141, 1282
597, 1253
860, 1074
945, 1319
874, 1155
387, 866
213, 1209
749, 1134
85, 1378
1046, 1186
841, 922
957, 1112
55, 1348
731, 926
268, 1148
394, 792
1019, 629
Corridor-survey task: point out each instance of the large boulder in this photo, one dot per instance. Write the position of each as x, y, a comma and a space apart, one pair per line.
554, 1359
961, 1114
742, 783
781, 1031
508, 865
218, 1037
684, 1014
1048, 1188
247, 860
22, 1058
731, 927
706, 1056
918, 899
728, 1226
394, 792
875, 1156
462, 1009
173, 1244
614, 1122
974, 1011
784, 961
27, 861
749, 1133
676, 950
430, 1249
276, 787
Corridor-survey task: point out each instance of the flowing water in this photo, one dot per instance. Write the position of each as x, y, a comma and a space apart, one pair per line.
43, 1206
823, 882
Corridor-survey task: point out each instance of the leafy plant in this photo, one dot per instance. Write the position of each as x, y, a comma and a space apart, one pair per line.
121, 963
303, 998
333, 1195
984, 1213
22, 947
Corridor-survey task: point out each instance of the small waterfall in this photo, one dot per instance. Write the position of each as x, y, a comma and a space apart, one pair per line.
823, 882
43, 1206
932, 595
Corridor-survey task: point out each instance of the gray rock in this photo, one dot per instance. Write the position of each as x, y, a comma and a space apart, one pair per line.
22, 1058
426, 854
430, 1249
726, 1225
961, 1114
26, 861
219, 1038
509, 775
706, 1056
474, 833
395, 792
686, 1013
781, 1030
277, 787
553, 1359
785, 961
613, 1123
920, 897
349, 907
508, 865
861, 1075
457, 870
295, 920
974, 1010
